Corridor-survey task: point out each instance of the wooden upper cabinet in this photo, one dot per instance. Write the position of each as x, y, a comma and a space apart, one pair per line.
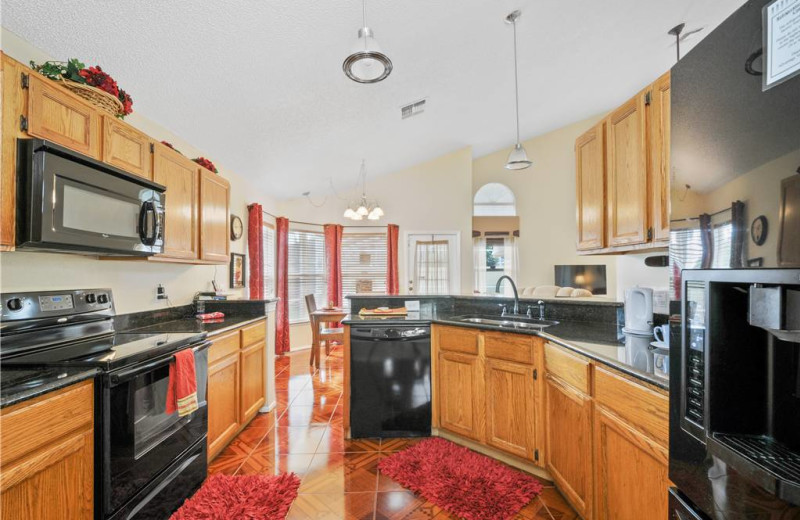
461, 394
180, 176
626, 173
214, 211
48, 456
590, 196
510, 408
14, 105
569, 443
61, 117
659, 142
127, 148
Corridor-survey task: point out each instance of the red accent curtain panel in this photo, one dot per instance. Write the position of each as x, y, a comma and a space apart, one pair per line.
282, 285
255, 249
392, 276
333, 262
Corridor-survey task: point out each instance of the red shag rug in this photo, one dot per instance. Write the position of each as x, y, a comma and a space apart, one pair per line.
253, 497
461, 481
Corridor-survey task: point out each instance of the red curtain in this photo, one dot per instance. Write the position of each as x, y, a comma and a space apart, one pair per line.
333, 262
392, 276
282, 285
255, 248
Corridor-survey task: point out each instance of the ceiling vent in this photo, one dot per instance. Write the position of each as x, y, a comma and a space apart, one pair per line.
412, 109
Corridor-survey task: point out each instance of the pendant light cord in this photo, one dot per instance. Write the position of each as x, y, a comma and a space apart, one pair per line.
516, 79
364, 12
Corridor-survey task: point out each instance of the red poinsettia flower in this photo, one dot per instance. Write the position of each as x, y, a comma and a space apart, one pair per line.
205, 163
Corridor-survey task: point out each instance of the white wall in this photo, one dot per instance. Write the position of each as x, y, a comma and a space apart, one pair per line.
133, 282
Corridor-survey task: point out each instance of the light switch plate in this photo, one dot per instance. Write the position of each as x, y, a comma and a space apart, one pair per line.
412, 305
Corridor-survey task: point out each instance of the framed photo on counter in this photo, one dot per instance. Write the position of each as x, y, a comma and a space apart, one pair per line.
238, 270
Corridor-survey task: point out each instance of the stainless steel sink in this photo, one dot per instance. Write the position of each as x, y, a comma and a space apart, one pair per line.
507, 321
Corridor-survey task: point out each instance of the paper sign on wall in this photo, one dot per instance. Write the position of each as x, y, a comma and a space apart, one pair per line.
781, 20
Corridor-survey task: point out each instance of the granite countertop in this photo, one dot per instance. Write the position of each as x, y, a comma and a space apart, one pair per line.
190, 324
600, 341
21, 384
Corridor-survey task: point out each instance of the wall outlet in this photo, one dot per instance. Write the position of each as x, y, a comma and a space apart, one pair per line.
661, 301
412, 305
161, 293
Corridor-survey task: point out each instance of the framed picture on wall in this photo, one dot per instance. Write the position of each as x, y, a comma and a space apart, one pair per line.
238, 270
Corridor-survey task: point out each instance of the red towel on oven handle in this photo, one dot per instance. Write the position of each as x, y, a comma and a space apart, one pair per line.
182, 389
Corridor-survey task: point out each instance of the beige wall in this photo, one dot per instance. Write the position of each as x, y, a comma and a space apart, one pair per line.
432, 196
133, 282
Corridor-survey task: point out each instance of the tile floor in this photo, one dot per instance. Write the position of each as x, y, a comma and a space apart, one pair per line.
339, 478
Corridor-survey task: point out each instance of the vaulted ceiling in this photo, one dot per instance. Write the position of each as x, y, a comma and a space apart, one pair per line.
258, 85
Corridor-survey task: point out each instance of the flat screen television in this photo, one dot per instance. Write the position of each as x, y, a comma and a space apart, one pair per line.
591, 277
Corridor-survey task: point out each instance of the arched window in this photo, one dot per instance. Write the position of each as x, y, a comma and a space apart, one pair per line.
494, 200
495, 253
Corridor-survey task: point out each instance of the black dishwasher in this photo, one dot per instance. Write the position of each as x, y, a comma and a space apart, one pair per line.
390, 381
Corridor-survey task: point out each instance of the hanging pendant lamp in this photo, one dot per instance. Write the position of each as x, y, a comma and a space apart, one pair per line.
367, 64
518, 158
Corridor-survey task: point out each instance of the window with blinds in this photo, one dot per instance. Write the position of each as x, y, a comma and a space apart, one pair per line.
268, 243
686, 248
306, 272
363, 264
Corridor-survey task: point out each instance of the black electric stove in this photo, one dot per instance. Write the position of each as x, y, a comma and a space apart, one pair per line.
147, 461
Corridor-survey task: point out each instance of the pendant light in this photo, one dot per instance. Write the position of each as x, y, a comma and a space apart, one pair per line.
367, 64
518, 158
363, 207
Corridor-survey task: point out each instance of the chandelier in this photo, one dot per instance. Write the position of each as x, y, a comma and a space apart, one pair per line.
363, 207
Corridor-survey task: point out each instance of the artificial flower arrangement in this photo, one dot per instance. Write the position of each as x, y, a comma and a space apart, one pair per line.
205, 163
170, 145
75, 72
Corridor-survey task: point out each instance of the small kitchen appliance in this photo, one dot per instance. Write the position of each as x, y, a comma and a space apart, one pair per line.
639, 311
147, 461
71, 203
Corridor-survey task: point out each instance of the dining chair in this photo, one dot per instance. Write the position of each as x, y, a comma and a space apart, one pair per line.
320, 331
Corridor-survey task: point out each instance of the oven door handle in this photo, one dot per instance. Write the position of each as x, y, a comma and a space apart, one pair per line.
124, 375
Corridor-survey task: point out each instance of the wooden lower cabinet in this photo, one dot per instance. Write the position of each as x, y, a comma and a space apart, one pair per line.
510, 408
223, 403
47, 456
460, 394
569, 443
236, 383
253, 360
631, 471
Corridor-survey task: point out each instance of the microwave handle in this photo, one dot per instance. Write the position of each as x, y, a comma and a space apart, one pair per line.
148, 208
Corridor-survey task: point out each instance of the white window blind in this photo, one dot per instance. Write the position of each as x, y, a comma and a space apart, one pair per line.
686, 248
268, 243
363, 264
306, 272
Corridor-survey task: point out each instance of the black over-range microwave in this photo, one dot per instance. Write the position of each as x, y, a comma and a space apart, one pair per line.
71, 203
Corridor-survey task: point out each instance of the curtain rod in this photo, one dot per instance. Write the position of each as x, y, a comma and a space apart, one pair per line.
689, 219
320, 225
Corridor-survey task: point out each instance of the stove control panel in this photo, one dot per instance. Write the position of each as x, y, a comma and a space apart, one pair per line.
45, 304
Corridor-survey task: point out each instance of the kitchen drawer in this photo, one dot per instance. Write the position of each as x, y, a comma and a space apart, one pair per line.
223, 345
643, 408
254, 333
510, 347
456, 339
567, 367
45, 420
